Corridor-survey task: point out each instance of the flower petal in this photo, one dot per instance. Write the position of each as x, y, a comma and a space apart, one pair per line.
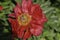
14, 25
17, 10
36, 29
39, 21
36, 9
1, 8
44, 19
36, 13
11, 15
26, 5
21, 32
27, 34
37, 16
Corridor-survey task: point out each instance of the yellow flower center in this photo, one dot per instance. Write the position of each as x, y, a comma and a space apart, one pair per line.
24, 19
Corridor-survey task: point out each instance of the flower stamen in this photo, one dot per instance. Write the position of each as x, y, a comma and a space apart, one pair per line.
24, 19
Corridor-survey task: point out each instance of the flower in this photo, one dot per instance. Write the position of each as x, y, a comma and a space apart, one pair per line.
27, 20
1, 8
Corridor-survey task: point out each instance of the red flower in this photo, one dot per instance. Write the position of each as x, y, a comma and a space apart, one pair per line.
1, 8
27, 19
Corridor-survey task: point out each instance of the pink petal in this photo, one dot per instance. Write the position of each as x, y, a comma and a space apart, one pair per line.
27, 34
17, 10
36, 29
37, 15
26, 5
14, 26
44, 19
12, 15
36, 9
21, 32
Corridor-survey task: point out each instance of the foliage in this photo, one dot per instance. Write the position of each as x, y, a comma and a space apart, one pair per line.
51, 29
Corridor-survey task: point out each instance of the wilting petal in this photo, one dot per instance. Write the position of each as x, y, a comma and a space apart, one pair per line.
17, 10
27, 34
11, 15
36, 29
26, 5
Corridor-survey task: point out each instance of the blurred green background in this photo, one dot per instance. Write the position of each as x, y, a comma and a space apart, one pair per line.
51, 9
